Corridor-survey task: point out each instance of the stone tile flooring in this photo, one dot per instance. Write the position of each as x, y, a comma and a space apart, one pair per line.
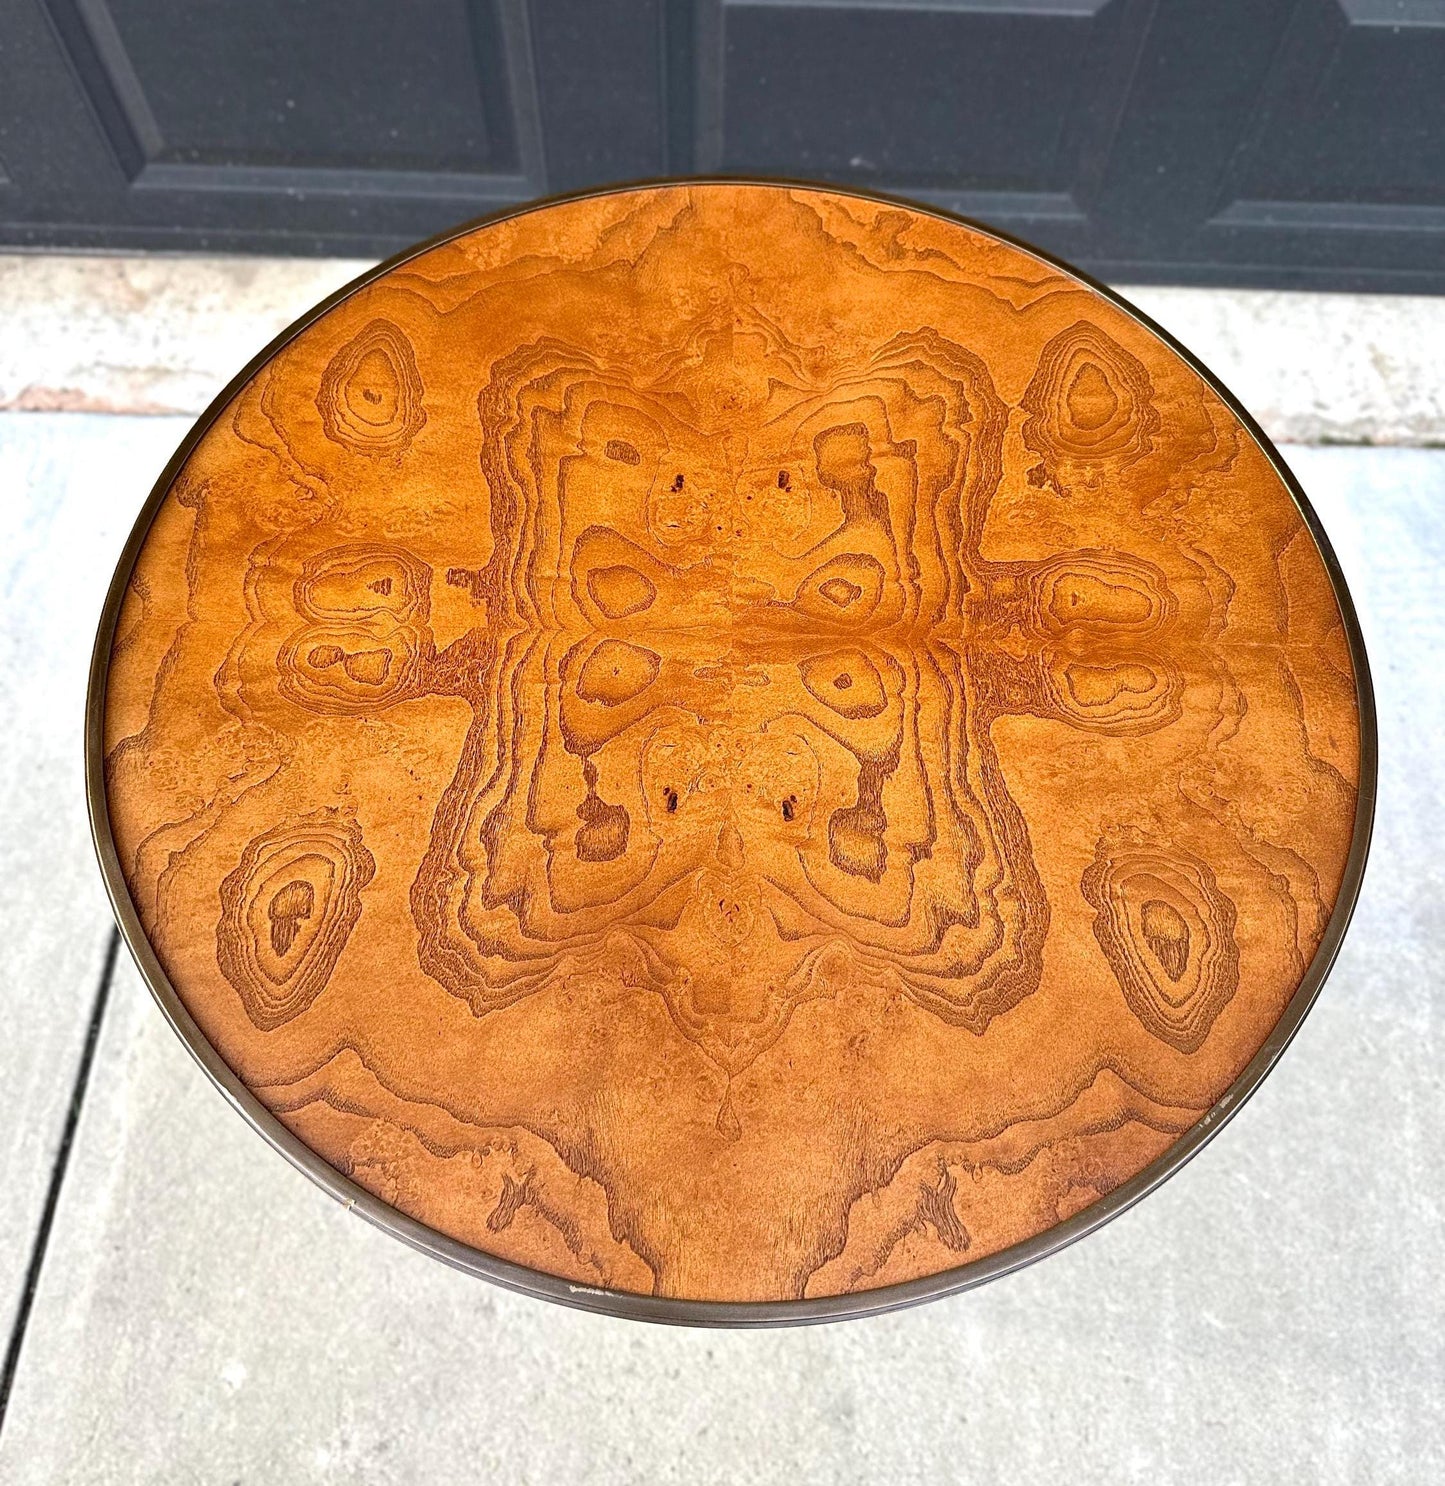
198, 1311
164, 333
69, 491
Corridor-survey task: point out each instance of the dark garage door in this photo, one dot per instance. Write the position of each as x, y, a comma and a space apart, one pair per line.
1274, 142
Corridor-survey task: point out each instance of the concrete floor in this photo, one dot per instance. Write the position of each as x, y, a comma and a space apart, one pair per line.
183, 1306
164, 334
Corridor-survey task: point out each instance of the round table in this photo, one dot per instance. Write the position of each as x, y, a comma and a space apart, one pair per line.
730, 751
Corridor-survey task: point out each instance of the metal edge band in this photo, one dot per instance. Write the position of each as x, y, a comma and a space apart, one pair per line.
669, 1310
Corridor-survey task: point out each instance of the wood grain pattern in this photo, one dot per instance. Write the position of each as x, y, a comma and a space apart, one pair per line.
732, 742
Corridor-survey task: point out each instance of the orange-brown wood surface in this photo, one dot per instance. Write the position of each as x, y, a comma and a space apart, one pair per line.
732, 742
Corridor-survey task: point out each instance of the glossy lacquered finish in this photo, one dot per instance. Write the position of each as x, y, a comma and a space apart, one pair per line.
730, 752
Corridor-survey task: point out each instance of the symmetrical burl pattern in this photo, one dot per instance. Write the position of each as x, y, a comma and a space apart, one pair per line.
734, 742
286, 913
1168, 933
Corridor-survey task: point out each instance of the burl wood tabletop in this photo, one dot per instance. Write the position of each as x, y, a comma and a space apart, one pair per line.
732, 742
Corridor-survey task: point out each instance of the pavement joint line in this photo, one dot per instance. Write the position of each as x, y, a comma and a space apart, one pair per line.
57, 1175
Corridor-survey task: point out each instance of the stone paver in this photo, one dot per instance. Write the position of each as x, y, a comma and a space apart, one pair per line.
145, 333
69, 490
1273, 1313
165, 334
1317, 368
